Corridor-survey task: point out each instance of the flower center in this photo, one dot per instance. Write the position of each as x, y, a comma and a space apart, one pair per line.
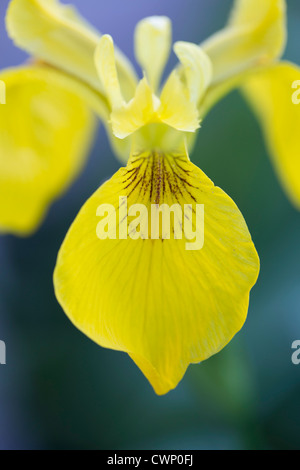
177, 104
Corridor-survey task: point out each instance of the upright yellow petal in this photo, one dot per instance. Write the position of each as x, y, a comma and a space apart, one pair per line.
153, 38
254, 36
164, 304
57, 34
106, 66
196, 68
45, 134
271, 95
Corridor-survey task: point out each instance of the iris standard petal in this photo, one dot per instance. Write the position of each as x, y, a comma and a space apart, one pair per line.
196, 68
107, 69
45, 135
164, 305
153, 37
270, 94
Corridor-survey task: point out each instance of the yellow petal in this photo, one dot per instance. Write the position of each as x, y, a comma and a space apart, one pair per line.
153, 37
176, 109
271, 95
138, 112
197, 68
45, 134
107, 70
57, 34
254, 36
165, 305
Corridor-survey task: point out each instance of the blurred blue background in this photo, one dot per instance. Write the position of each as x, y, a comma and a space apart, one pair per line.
61, 391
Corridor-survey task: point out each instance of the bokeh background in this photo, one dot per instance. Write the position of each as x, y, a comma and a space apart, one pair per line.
61, 391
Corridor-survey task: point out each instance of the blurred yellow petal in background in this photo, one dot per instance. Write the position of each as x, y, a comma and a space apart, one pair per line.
270, 94
59, 35
255, 36
45, 135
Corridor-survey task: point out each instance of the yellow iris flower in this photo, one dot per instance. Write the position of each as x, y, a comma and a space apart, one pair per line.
164, 305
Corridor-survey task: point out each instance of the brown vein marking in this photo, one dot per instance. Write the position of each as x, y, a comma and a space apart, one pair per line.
144, 184
178, 189
131, 172
159, 181
152, 179
155, 173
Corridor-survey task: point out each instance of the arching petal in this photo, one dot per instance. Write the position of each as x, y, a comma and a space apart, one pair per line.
45, 134
106, 66
196, 67
57, 34
270, 93
158, 300
153, 37
254, 36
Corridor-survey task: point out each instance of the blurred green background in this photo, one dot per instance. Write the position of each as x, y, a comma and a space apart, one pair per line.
61, 391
